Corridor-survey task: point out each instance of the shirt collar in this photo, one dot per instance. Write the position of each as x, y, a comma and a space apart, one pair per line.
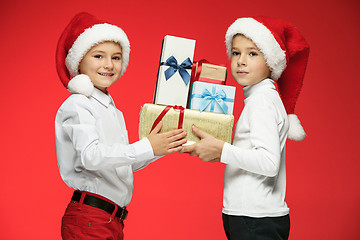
260, 86
101, 97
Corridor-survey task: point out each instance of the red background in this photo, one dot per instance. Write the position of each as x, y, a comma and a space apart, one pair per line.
179, 197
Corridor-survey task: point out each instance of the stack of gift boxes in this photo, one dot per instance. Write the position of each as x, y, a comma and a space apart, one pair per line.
189, 93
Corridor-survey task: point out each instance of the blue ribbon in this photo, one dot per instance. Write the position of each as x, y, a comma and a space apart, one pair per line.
210, 98
174, 66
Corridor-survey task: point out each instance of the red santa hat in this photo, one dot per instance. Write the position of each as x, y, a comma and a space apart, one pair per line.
286, 53
82, 33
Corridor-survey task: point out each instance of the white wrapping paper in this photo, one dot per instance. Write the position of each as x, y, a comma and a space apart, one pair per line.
173, 91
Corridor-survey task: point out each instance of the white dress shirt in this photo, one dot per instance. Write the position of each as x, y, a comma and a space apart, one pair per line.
93, 150
255, 171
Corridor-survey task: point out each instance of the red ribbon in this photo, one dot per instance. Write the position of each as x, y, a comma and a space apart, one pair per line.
195, 74
209, 80
166, 109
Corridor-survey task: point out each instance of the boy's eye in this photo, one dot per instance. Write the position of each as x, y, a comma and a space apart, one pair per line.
252, 54
98, 56
116, 58
235, 53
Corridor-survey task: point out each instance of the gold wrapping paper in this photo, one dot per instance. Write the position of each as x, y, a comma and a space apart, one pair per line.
212, 71
217, 124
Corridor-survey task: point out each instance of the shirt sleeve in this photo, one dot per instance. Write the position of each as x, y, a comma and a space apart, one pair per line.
264, 155
79, 124
143, 144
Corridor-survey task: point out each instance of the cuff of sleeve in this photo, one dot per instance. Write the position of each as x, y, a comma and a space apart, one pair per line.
223, 157
143, 150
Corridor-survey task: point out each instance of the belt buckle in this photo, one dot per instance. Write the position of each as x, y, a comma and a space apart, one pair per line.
123, 214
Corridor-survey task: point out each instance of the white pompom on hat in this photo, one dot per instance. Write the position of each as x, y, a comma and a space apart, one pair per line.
82, 33
286, 53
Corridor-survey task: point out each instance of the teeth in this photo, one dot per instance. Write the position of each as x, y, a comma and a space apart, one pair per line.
106, 74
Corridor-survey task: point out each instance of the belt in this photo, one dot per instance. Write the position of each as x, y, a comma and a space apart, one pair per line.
100, 203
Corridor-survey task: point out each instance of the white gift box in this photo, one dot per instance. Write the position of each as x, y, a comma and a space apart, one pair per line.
212, 97
176, 60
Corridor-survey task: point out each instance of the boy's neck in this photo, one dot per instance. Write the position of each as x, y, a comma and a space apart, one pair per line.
256, 83
104, 90
266, 83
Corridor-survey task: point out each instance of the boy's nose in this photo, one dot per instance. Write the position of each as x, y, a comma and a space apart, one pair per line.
108, 64
242, 60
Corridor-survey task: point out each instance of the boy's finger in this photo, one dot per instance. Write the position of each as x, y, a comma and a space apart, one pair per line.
199, 132
173, 133
188, 148
157, 128
177, 149
177, 136
214, 160
193, 154
177, 143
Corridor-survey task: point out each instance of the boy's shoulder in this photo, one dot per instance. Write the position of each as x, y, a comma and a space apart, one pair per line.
75, 100
263, 101
267, 104
263, 98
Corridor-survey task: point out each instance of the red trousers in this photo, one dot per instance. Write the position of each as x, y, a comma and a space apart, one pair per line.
81, 221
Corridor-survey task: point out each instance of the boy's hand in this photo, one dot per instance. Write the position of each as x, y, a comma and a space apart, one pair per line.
209, 149
168, 142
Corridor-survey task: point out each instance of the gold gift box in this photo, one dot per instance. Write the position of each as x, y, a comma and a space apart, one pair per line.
216, 124
212, 71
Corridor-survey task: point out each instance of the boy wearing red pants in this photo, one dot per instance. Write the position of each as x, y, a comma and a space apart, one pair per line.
93, 151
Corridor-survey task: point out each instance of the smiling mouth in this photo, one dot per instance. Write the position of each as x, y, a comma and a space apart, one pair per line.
106, 74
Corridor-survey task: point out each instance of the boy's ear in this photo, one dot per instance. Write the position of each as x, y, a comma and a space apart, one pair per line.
270, 69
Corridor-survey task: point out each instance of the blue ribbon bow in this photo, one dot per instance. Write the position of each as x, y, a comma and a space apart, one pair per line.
174, 66
210, 98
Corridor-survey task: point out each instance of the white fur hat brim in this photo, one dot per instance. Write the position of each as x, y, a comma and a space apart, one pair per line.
92, 36
263, 39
